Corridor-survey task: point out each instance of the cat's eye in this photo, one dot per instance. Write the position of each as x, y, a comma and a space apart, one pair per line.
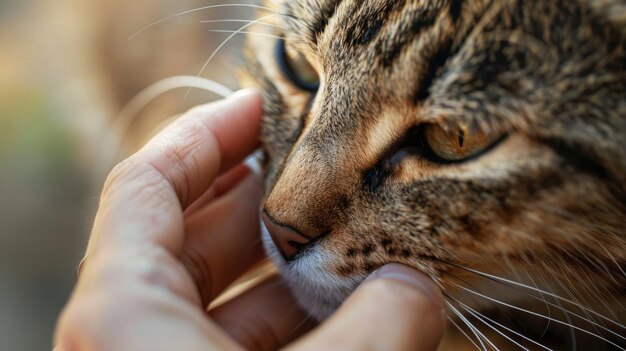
457, 144
297, 68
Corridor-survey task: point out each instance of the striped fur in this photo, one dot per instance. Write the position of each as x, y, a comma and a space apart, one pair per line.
544, 209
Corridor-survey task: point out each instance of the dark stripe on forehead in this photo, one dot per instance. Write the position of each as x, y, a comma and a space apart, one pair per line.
419, 20
434, 68
369, 19
455, 9
326, 11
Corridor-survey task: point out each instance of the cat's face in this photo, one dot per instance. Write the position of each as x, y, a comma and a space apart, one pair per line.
456, 137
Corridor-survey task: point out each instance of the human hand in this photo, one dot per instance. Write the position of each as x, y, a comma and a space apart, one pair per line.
178, 222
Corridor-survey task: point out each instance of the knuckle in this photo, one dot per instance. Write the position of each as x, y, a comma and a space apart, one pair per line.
183, 152
119, 171
76, 328
201, 274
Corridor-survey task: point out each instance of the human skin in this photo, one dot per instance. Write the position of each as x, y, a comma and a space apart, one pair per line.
178, 222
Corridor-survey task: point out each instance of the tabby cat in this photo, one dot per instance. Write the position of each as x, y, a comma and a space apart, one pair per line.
481, 142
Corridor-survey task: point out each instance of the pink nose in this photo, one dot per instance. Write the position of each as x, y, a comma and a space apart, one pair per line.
287, 239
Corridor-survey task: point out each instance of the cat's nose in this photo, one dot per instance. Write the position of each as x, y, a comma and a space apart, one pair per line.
288, 240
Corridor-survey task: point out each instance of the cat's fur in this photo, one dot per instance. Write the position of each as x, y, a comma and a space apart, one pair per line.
545, 208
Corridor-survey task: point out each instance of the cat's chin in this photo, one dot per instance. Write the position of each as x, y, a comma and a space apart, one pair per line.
317, 290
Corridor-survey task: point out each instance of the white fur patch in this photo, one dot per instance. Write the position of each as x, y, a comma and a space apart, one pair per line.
317, 290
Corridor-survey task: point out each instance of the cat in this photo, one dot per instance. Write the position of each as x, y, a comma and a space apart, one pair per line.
481, 142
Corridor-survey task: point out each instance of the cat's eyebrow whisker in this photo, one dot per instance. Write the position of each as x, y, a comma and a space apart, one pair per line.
537, 315
245, 32
480, 336
227, 40
463, 332
259, 7
244, 21
512, 282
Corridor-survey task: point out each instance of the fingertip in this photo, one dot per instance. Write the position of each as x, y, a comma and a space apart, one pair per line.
236, 124
409, 301
246, 93
416, 279
397, 308
248, 101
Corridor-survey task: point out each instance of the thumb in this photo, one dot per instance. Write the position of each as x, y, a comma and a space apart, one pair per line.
396, 308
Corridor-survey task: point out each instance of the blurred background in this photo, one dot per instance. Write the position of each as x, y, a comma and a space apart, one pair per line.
67, 71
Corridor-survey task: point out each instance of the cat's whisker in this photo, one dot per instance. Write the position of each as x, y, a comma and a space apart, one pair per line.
258, 7
470, 327
512, 268
463, 332
480, 336
543, 299
591, 226
245, 32
226, 41
244, 21
512, 282
593, 291
537, 315
569, 320
565, 287
588, 289
598, 264
308, 318
484, 320
568, 313
577, 304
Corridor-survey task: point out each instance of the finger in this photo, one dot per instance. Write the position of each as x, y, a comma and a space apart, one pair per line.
144, 195
222, 240
265, 317
231, 179
137, 317
398, 309
222, 185
208, 140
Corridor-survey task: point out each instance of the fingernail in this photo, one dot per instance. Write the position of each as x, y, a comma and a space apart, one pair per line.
416, 279
242, 94
80, 266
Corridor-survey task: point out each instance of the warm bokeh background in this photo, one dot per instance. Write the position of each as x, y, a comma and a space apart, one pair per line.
67, 67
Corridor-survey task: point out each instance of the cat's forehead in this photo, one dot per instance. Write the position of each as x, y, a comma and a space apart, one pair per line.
503, 65
366, 40
355, 25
